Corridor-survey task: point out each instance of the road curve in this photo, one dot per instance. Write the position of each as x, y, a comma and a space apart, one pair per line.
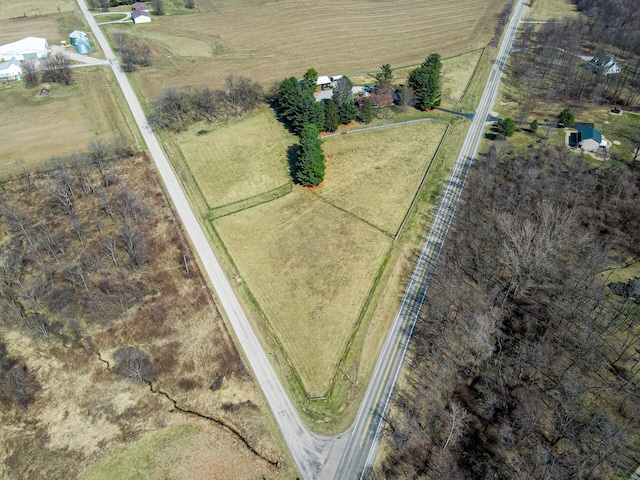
308, 450
361, 447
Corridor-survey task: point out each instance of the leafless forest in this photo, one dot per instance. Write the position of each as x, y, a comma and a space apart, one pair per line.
524, 363
548, 65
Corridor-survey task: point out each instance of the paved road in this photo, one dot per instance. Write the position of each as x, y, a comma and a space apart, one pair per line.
308, 450
347, 455
361, 447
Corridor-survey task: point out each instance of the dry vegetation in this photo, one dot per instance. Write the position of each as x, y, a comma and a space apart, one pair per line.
59, 122
238, 160
310, 267
543, 10
376, 174
272, 41
34, 8
92, 262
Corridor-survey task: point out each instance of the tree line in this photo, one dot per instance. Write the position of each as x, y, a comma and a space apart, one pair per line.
524, 363
175, 109
54, 68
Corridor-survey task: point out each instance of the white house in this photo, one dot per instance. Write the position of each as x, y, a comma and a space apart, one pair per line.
30, 48
605, 64
10, 69
140, 16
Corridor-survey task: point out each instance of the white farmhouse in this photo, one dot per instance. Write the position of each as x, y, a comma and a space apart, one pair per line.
140, 16
30, 48
10, 69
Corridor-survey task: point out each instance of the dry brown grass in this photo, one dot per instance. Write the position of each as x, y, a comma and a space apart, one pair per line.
547, 9
83, 414
34, 8
34, 128
310, 267
54, 27
270, 41
376, 174
239, 160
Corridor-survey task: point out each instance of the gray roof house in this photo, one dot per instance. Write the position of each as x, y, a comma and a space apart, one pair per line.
604, 63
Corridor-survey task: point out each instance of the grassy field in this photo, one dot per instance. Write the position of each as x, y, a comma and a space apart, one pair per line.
375, 174
87, 421
61, 121
547, 9
240, 160
266, 42
456, 73
53, 27
310, 267
34, 8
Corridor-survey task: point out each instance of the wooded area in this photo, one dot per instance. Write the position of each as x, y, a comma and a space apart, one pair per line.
548, 65
524, 364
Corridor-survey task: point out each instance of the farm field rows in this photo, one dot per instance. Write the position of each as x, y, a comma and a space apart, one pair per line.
256, 39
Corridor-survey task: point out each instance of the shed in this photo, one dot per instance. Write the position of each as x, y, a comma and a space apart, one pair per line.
139, 7
10, 69
77, 35
323, 82
29, 48
140, 17
587, 137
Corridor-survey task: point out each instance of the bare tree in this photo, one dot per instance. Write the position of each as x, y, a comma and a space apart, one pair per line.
57, 68
133, 364
30, 73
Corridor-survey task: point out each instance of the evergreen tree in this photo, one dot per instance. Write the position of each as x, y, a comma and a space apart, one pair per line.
506, 127
310, 159
534, 125
288, 96
366, 112
348, 112
309, 79
385, 73
307, 111
331, 116
425, 81
566, 117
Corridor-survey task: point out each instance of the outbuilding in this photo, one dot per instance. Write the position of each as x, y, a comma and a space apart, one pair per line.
139, 7
10, 69
140, 17
323, 82
76, 36
587, 137
30, 48
605, 64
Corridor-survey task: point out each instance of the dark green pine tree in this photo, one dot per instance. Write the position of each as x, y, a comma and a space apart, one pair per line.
310, 159
288, 96
425, 81
307, 111
348, 112
366, 112
331, 116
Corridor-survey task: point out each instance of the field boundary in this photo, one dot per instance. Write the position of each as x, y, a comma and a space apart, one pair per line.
249, 202
424, 180
382, 127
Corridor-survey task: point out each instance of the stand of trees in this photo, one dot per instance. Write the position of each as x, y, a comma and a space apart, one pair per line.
524, 364
175, 109
132, 53
425, 81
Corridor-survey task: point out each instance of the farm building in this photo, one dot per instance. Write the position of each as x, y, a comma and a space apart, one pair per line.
30, 48
587, 137
10, 69
139, 7
140, 17
76, 36
605, 64
323, 82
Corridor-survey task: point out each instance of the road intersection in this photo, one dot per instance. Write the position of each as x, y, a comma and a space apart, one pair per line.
347, 455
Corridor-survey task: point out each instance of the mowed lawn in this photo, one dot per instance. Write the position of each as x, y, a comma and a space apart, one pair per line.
240, 160
35, 128
376, 174
272, 40
548, 9
310, 267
